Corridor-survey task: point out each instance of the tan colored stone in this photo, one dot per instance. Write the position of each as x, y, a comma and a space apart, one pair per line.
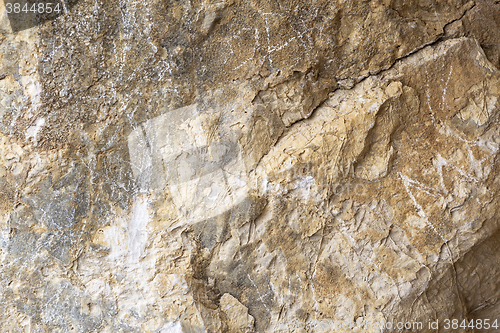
249, 166
238, 318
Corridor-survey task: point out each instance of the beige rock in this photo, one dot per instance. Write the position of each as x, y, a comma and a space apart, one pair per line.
250, 166
238, 318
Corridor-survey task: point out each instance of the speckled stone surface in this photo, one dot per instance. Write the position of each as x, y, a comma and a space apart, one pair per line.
250, 166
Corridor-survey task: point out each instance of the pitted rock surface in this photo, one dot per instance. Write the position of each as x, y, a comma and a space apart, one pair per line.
249, 166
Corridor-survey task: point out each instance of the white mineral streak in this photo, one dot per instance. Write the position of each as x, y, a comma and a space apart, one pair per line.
32, 131
127, 275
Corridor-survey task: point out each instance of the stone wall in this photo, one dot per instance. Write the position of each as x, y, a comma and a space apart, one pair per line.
250, 166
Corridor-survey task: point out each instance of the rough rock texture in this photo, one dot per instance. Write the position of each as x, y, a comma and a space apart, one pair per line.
250, 166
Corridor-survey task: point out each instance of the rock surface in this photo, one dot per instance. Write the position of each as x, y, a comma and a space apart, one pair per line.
250, 166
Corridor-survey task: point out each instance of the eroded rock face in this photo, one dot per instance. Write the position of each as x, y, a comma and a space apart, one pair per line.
249, 166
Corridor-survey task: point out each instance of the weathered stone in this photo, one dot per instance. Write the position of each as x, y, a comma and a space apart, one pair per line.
249, 166
238, 318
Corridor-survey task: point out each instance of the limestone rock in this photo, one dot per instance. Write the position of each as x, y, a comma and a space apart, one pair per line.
238, 318
250, 166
